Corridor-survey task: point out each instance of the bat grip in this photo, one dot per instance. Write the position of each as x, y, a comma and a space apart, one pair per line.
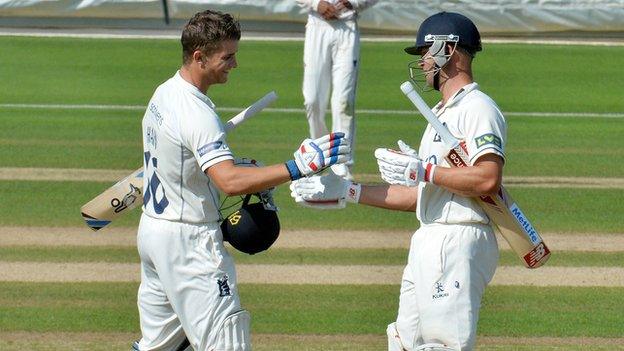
449, 140
250, 111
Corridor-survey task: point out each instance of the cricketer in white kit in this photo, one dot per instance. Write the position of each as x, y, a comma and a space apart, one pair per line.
331, 58
179, 234
454, 253
188, 297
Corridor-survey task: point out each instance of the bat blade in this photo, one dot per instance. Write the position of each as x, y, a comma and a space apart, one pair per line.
510, 221
127, 194
115, 201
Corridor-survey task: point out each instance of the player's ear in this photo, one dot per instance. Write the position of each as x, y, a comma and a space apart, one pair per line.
198, 57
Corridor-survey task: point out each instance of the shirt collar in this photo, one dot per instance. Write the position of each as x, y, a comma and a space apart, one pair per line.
456, 97
192, 89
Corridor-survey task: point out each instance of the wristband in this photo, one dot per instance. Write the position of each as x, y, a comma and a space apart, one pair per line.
293, 170
429, 172
354, 190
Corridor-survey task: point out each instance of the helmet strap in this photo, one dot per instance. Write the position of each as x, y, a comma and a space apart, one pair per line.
246, 200
436, 78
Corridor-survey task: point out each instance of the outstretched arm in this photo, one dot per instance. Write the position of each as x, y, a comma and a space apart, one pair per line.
332, 192
311, 157
392, 197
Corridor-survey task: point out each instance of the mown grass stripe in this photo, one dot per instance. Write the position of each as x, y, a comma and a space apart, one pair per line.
317, 309
300, 110
287, 256
107, 341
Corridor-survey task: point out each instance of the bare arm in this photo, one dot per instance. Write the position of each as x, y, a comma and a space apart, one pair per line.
484, 178
392, 197
235, 180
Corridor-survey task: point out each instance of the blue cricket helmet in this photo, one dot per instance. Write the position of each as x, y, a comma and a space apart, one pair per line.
449, 24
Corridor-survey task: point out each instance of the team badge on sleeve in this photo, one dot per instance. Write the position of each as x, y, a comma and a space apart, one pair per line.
489, 138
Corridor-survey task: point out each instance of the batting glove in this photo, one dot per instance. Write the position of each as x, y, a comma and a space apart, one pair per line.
314, 156
403, 167
325, 192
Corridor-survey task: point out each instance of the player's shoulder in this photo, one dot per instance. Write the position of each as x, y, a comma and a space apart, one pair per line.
477, 98
476, 101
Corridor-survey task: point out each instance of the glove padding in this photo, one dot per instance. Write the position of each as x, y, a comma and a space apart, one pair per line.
324, 192
403, 167
315, 155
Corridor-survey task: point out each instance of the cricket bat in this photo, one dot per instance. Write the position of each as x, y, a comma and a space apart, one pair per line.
508, 218
127, 193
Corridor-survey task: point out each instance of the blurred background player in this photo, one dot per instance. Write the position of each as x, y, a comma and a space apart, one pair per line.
188, 282
453, 255
331, 60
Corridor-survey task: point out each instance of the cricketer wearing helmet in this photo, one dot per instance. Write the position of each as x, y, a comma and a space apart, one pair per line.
188, 285
453, 255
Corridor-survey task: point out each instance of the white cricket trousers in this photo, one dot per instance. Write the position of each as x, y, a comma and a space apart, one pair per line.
331, 56
188, 284
447, 271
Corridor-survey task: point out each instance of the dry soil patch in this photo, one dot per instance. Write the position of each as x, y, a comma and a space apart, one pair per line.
321, 239
308, 274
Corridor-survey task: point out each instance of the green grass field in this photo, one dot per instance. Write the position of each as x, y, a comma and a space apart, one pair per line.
523, 79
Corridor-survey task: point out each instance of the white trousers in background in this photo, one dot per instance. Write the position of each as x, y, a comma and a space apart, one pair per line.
448, 268
331, 61
188, 284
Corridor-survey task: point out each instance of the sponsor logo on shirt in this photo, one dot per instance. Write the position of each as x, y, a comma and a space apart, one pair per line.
436, 137
155, 114
486, 139
439, 291
211, 147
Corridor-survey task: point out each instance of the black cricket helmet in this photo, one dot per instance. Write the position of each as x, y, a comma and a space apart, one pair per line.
252, 228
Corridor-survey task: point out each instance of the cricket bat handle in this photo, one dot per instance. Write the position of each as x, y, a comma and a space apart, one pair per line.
447, 138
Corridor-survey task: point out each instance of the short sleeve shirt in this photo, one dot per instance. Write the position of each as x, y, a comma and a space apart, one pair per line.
182, 137
474, 118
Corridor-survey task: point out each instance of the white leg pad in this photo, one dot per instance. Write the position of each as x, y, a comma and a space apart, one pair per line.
234, 333
434, 347
394, 341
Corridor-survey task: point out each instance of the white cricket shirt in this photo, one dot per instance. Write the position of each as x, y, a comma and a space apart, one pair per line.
182, 136
473, 117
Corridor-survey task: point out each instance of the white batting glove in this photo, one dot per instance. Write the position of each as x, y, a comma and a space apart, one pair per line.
403, 167
406, 149
314, 156
325, 192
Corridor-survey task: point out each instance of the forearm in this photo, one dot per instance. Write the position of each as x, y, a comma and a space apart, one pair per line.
392, 197
469, 181
237, 180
